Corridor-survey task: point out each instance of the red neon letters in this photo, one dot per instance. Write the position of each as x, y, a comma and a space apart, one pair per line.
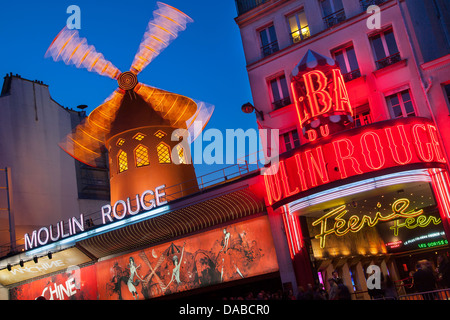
323, 96
375, 147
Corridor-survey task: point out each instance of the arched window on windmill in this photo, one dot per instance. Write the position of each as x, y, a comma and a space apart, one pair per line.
141, 156
181, 156
163, 151
122, 161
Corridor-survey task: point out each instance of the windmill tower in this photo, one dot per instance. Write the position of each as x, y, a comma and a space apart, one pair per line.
137, 122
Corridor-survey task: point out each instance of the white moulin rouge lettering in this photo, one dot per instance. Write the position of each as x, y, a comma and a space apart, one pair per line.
146, 201
52, 233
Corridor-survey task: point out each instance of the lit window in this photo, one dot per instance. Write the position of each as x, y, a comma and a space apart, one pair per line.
123, 161
163, 151
280, 92
120, 142
385, 48
298, 26
160, 134
181, 154
400, 105
141, 156
139, 137
348, 64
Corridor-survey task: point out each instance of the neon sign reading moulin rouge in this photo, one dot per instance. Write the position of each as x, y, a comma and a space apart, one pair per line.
371, 148
354, 223
148, 200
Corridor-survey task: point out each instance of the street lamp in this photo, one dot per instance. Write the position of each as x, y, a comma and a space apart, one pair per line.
249, 108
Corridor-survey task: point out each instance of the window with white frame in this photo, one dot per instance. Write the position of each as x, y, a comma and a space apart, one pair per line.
269, 42
333, 12
385, 48
290, 140
362, 115
280, 92
298, 26
348, 64
400, 104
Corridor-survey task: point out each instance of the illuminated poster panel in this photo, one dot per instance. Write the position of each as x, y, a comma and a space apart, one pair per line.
73, 284
234, 252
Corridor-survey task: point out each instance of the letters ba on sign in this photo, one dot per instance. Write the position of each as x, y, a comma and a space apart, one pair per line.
382, 145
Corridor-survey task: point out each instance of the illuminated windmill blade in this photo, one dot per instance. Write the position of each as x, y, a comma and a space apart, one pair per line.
197, 123
161, 31
175, 108
86, 141
70, 48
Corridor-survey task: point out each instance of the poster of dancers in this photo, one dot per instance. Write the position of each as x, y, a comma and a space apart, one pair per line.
233, 252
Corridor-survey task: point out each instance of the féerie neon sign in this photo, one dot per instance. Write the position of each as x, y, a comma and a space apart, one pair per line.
355, 223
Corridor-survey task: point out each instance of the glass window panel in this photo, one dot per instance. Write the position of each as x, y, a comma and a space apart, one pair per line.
338, 5
409, 109
163, 151
293, 23
390, 42
397, 111
122, 161
295, 138
351, 56
405, 96
264, 39
447, 91
339, 56
275, 93
141, 156
326, 7
284, 87
394, 100
287, 141
302, 19
272, 34
378, 48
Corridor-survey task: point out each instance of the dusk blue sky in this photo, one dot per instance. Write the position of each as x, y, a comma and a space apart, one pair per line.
206, 62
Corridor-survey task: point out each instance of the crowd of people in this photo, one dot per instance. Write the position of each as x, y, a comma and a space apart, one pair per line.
425, 278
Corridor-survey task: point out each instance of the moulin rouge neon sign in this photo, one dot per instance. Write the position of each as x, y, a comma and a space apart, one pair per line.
382, 145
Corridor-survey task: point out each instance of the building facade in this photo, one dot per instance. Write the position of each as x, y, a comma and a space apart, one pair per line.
45, 183
395, 61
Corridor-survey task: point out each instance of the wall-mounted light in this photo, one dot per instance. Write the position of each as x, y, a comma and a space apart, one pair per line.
35, 259
9, 267
21, 263
249, 108
49, 255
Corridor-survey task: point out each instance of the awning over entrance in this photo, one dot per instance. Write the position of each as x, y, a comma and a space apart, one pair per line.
187, 219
